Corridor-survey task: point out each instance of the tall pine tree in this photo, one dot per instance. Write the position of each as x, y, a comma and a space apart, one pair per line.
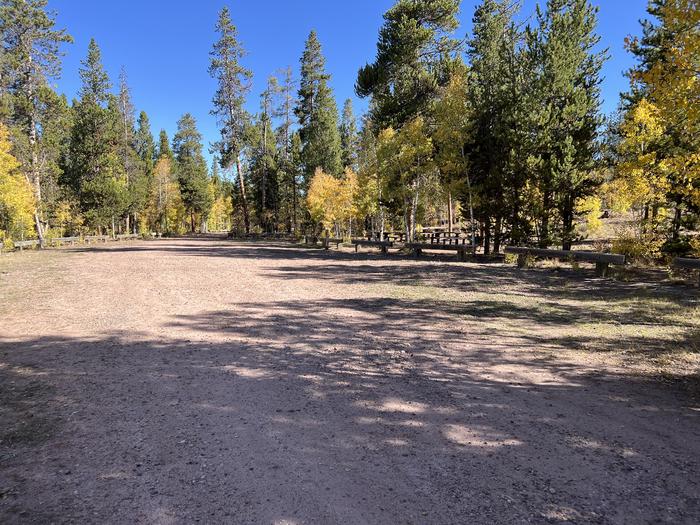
317, 112
192, 171
414, 53
233, 85
348, 136
567, 95
30, 59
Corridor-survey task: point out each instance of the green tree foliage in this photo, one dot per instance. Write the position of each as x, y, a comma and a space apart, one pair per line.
664, 101
318, 114
288, 164
192, 171
141, 182
30, 59
404, 162
16, 197
414, 56
95, 170
494, 89
263, 160
567, 88
348, 136
233, 84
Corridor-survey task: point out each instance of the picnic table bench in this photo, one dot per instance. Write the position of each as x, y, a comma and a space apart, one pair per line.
127, 236
90, 238
63, 240
461, 249
26, 244
382, 245
327, 241
601, 260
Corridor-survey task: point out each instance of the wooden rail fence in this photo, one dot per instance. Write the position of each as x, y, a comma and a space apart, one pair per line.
70, 241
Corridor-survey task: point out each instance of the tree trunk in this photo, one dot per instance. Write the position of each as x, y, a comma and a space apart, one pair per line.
36, 178
414, 211
471, 206
544, 229
677, 222
487, 235
497, 235
406, 220
244, 201
568, 225
449, 212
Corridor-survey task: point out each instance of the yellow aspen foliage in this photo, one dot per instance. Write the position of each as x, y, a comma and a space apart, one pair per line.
331, 201
643, 176
591, 209
674, 89
219, 218
17, 202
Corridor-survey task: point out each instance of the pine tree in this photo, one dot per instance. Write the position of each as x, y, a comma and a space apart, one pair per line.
163, 145
192, 170
288, 171
318, 114
141, 183
30, 59
129, 156
234, 82
95, 170
494, 89
414, 53
165, 196
263, 164
348, 136
567, 92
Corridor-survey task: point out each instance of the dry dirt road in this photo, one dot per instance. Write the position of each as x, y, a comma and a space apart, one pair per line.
202, 380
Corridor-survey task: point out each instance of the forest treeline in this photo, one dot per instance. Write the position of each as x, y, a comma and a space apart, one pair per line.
500, 132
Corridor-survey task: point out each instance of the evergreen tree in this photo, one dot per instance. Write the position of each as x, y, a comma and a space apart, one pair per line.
263, 164
414, 55
163, 145
495, 87
288, 171
318, 114
95, 170
166, 199
141, 183
234, 83
348, 136
567, 91
192, 171
30, 59
133, 168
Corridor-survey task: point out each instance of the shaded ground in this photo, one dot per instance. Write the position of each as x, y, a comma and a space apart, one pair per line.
202, 380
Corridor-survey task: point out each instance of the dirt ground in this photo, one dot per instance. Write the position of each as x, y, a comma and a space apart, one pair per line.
204, 380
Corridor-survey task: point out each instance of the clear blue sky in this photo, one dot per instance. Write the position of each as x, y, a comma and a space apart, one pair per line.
164, 45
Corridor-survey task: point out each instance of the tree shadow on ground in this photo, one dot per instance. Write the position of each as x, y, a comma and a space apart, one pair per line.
362, 410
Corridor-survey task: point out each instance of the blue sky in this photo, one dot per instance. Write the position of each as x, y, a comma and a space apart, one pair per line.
164, 46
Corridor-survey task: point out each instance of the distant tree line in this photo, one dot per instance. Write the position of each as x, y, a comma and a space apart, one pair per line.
501, 132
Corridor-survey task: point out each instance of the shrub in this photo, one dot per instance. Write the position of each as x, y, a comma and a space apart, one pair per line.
638, 248
677, 247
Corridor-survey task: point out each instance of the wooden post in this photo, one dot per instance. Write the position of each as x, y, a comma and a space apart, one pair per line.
522, 260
